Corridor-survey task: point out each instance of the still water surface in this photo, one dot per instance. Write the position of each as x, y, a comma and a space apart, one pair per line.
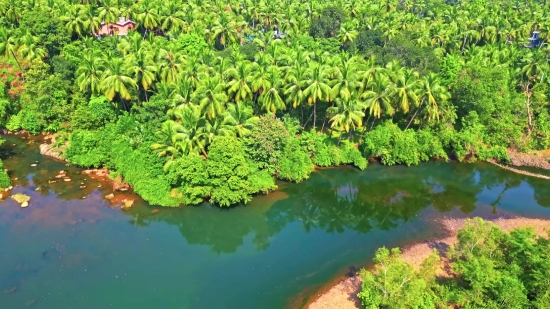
71, 249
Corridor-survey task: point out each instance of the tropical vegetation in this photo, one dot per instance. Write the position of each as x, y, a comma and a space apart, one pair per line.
490, 269
204, 97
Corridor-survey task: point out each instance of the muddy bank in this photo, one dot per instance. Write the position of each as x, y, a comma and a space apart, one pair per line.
344, 294
526, 159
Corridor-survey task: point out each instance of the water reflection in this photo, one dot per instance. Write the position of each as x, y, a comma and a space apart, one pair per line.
336, 200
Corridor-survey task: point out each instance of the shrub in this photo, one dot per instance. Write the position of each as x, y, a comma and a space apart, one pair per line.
295, 163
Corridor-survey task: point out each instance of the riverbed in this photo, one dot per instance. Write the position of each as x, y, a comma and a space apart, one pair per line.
73, 248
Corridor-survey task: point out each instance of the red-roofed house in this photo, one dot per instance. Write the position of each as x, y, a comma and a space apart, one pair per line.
122, 27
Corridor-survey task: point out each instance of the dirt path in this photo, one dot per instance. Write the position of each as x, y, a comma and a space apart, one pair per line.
343, 294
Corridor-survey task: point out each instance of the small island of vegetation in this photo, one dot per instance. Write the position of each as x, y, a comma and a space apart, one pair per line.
201, 99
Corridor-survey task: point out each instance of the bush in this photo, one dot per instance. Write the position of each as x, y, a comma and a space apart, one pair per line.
491, 269
5, 180
295, 163
94, 115
265, 144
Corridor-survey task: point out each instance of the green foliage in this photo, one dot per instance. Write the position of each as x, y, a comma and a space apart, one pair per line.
225, 177
392, 145
349, 154
394, 284
5, 180
249, 50
328, 23
492, 270
192, 43
295, 163
266, 142
94, 115
450, 68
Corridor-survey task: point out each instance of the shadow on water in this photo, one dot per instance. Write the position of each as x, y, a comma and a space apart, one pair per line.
73, 244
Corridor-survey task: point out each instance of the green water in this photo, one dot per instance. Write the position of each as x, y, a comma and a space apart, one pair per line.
71, 249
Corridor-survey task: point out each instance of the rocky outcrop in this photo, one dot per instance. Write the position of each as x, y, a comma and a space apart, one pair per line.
53, 151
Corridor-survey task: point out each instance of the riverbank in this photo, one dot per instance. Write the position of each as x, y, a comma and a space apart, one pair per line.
343, 295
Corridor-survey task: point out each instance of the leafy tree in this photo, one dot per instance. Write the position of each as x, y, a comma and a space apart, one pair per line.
266, 142
295, 163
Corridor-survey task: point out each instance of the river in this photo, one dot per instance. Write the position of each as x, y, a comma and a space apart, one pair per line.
71, 248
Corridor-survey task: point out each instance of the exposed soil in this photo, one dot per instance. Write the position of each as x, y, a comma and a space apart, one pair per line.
526, 159
344, 294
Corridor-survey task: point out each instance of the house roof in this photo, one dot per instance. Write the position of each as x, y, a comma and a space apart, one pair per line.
122, 21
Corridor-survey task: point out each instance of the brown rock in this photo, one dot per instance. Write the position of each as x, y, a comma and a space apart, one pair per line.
155, 211
110, 196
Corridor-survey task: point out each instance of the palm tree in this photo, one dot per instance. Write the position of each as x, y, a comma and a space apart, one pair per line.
170, 135
171, 64
434, 95
211, 96
347, 115
316, 87
406, 89
378, 96
73, 20
9, 45
116, 80
29, 47
90, 21
192, 138
271, 95
240, 81
89, 74
241, 118
148, 16
144, 69
345, 82
171, 17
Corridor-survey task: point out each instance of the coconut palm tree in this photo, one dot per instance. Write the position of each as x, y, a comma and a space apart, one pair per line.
347, 115
89, 74
144, 69
211, 96
240, 81
117, 81
316, 87
271, 99
378, 96
241, 118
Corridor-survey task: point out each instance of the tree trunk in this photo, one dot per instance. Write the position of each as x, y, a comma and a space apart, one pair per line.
302, 110
528, 95
464, 43
19, 65
305, 124
372, 125
408, 124
315, 116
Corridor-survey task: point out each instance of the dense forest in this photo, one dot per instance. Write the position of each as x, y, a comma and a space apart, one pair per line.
216, 100
491, 269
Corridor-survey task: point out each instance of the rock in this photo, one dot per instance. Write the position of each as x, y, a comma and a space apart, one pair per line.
127, 203
33, 164
61, 172
21, 198
82, 187
24, 204
155, 211
10, 290
67, 179
110, 196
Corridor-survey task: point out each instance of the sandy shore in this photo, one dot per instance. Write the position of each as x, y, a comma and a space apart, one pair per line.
343, 294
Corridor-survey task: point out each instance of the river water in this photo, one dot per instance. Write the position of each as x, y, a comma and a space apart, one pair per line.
72, 248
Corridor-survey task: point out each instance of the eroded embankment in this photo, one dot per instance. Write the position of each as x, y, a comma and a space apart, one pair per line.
344, 294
